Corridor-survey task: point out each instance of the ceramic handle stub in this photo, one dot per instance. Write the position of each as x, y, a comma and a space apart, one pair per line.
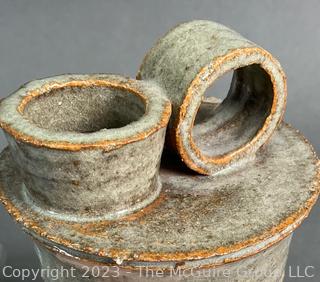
189, 59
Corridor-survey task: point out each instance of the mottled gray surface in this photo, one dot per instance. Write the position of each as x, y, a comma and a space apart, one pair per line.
91, 184
84, 109
43, 38
235, 123
188, 60
195, 217
103, 181
155, 115
267, 266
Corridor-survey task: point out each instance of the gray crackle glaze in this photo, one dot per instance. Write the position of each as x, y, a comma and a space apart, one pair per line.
80, 183
190, 58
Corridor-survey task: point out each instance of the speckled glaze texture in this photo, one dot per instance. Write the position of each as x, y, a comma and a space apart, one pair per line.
185, 62
197, 220
268, 266
82, 171
70, 168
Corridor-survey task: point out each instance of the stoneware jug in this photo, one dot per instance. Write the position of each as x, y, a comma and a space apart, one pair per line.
81, 172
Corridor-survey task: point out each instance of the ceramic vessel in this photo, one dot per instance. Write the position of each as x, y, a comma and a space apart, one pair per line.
81, 171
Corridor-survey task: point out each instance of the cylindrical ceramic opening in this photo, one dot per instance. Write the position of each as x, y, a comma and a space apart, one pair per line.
88, 146
227, 126
84, 109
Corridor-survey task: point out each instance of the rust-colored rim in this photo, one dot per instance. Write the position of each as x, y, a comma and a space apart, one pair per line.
105, 144
198, 80
181, 265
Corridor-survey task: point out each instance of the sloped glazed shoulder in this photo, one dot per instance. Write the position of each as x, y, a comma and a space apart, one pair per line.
196, 221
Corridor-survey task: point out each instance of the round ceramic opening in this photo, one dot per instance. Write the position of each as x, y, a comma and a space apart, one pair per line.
84, 109
222, 127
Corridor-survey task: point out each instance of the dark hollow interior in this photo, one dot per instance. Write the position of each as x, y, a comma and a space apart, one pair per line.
223, 127
84, 109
